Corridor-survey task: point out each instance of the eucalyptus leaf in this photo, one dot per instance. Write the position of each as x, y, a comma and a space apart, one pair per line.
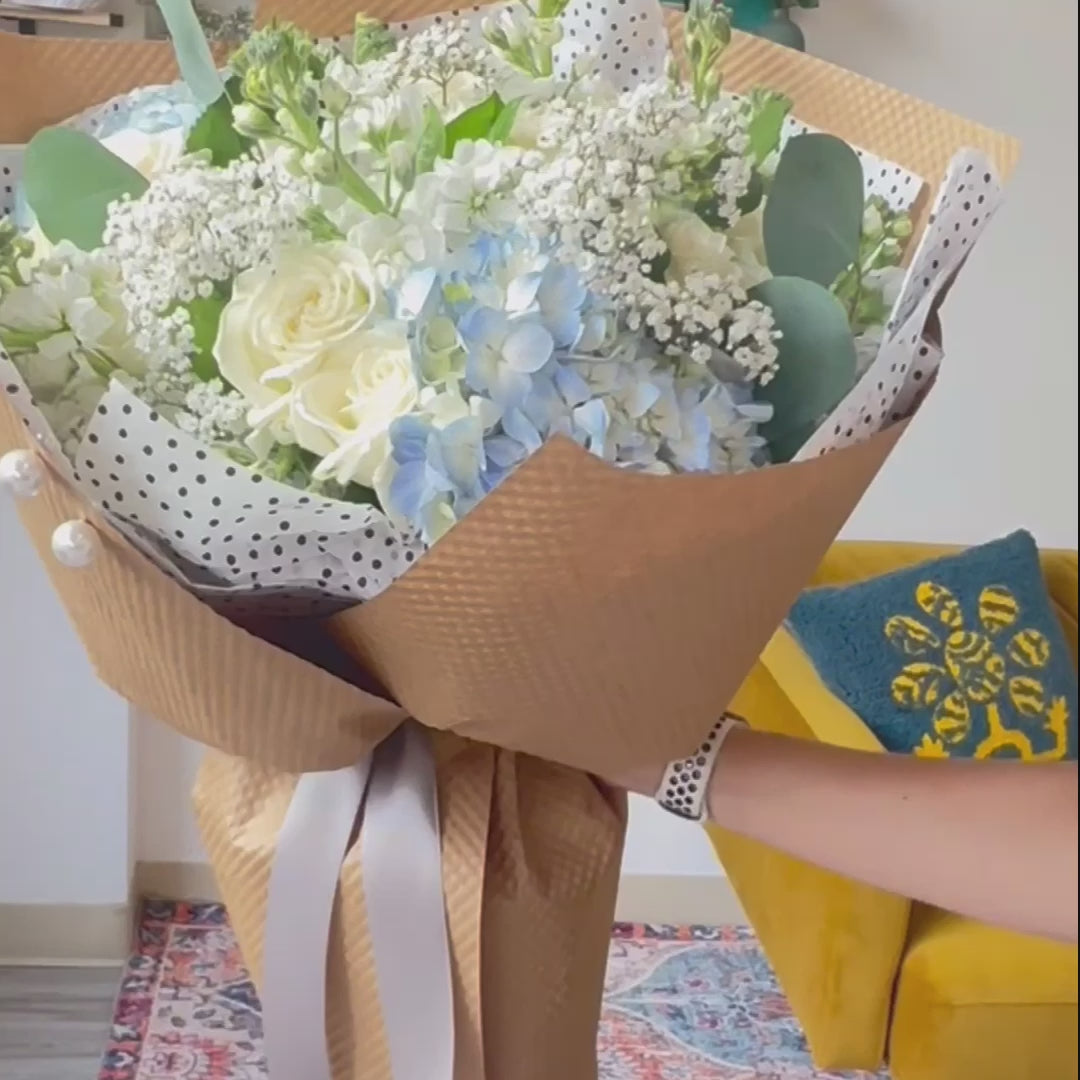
193, 56
816, 361
205, 315
504, 122
432, 143
214, 129
475, 123
813, 215
70, 180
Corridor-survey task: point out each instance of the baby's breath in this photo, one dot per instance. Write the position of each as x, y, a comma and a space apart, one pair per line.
600, 170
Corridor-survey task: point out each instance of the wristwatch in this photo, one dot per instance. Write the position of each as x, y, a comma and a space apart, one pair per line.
684, 788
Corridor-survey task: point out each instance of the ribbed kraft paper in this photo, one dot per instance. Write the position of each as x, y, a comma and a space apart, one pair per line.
594, 617
532, 946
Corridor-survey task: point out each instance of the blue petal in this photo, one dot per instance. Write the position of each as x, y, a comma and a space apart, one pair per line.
509, 387
574, 389
503, 452
522, 430
521, 292
408, 438
483, 326
562, 289
528, 347
408, 491
592, 418
564, 327
463, 454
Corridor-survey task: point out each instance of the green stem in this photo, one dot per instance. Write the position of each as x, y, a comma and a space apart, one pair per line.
352, 183
357, 188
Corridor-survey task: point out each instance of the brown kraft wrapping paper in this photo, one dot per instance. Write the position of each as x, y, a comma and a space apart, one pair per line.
581, 615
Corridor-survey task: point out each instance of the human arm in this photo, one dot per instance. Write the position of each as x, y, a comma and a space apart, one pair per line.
994, 840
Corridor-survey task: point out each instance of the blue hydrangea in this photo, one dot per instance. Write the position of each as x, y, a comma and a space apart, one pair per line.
513, 349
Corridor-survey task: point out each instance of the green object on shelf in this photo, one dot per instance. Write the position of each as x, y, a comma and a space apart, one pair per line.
751, 15
782, 29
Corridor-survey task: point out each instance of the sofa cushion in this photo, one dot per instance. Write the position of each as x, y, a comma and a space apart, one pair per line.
973, 1002
961, 656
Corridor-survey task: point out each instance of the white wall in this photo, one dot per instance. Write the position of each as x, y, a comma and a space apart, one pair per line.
64, 754
1007, 393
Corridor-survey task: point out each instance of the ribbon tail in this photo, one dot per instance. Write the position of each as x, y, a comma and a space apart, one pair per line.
312, 846
401, 863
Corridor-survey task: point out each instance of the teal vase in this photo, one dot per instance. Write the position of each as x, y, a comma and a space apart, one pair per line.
751, 15
782, 29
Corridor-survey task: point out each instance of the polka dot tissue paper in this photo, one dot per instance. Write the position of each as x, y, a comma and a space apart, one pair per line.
426, 397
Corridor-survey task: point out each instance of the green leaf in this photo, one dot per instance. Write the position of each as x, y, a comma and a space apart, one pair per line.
766, 124
504, 122
813, 215
474, 123
193, 55
205, 317
816, 361
432, 144
70, 179
214, 129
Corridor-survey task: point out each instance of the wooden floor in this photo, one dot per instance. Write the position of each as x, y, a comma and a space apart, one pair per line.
54, 1021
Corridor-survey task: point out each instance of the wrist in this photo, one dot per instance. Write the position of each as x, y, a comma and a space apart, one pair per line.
723, 782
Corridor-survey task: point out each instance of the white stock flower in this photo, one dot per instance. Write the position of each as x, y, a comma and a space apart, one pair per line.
150, 154
77, 296
343, 413
303, 312
470, 193
394, 246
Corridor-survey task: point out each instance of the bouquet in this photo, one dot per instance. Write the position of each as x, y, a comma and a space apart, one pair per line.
483, 372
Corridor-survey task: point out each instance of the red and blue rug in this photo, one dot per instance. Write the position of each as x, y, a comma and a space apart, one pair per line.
683, 1003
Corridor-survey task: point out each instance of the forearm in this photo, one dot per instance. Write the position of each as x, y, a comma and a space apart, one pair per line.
993, 840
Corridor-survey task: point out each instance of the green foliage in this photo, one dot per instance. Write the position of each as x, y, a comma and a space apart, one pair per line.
70, 180
816, 361
813, 215
214, 130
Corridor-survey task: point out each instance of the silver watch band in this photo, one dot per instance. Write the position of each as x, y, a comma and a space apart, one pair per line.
684, 788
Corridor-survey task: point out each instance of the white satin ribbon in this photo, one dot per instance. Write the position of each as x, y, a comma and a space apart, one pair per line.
401, 871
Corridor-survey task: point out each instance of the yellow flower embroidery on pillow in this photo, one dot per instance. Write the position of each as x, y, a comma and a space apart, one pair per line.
954, 670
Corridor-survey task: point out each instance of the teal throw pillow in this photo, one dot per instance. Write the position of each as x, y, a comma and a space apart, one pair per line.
959, 657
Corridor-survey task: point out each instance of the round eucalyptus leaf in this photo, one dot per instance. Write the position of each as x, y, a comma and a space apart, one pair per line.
70, 180
816, 361
813, 215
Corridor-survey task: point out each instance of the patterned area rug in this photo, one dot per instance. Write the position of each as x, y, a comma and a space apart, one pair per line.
683, 1003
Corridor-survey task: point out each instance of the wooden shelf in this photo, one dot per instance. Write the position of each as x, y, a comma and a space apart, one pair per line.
28, 17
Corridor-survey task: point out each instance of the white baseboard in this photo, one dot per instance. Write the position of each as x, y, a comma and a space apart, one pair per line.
85, 934
75, 935
684, 899
176, 881
653, 898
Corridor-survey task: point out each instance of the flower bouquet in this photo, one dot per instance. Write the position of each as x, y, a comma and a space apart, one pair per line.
432, 417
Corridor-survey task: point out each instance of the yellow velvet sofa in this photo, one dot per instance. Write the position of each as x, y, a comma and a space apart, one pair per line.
872, 977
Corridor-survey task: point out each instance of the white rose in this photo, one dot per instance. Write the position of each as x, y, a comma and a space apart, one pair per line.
736, 255
150, 154
344, 414
303, 313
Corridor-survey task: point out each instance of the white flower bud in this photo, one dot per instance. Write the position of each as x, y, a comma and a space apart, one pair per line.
319, 164
872, 224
